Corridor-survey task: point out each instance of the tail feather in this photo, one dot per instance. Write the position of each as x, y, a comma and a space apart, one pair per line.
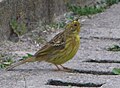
20, 63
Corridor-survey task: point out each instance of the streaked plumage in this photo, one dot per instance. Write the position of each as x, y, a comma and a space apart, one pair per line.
58, 50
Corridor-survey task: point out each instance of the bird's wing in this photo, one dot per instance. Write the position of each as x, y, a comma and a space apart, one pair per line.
57, 43
58, 40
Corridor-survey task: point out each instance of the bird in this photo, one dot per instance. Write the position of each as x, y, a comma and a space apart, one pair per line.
60, 49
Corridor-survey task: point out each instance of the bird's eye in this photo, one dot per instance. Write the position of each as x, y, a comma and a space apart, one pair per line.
75, 24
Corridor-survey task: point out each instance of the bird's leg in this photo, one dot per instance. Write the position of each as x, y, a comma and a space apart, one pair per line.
57, 67
65, 68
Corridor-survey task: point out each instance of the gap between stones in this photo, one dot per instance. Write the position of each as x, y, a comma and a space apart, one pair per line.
92, 72
102, 38
101, 61
61, 83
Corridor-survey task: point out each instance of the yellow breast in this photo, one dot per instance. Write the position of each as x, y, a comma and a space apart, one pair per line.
71, 48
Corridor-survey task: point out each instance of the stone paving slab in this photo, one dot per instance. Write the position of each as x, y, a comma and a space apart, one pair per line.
102, 33
112, 84
98, 55
97, 44
108, 19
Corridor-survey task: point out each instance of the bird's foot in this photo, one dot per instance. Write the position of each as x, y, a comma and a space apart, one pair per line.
66, 69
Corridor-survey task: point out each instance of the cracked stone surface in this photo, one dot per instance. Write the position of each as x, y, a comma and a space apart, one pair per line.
98, 33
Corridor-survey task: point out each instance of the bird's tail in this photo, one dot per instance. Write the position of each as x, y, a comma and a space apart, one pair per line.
31, 59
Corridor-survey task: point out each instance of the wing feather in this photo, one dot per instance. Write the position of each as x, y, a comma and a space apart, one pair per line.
58, 42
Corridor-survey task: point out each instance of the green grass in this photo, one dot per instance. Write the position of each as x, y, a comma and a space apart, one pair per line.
27, 56
111, 2
8, 61
90, 10
18, 28
116, 71
83, 11
114, 48
5, 63
57, 25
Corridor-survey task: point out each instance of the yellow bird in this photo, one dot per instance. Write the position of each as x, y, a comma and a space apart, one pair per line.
58, 50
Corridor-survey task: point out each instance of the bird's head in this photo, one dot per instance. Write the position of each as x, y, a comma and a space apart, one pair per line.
73, 27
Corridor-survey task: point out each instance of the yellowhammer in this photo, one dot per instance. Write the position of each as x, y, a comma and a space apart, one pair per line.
58, 50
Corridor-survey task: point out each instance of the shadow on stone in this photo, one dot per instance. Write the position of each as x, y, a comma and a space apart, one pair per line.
93, 72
